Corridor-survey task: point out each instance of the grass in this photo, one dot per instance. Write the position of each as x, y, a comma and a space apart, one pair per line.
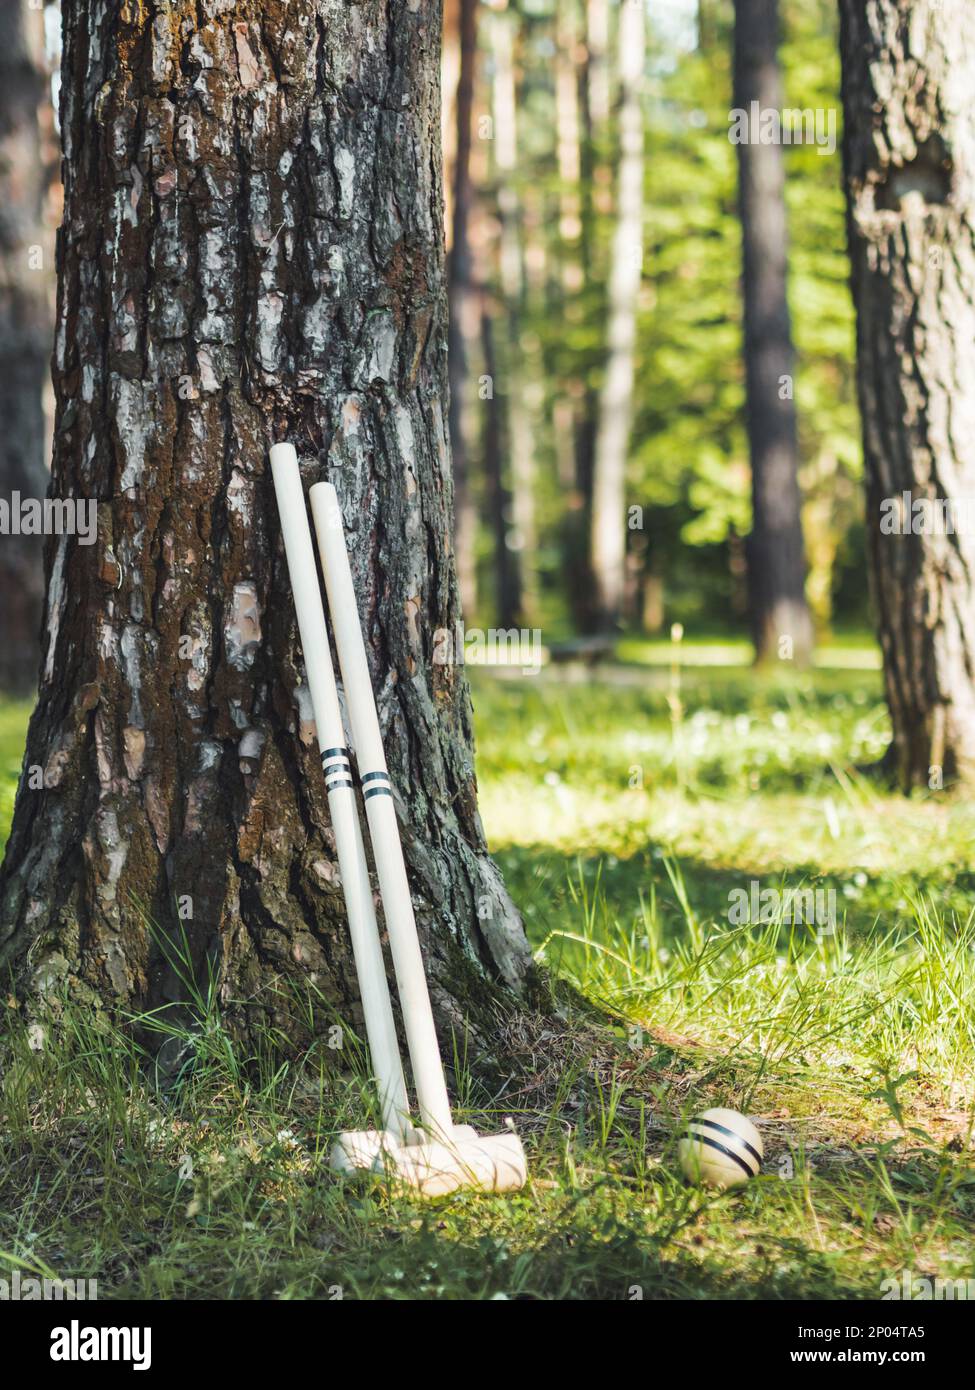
13, 727
625, 812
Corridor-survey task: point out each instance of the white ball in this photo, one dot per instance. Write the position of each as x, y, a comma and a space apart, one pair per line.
720, 1148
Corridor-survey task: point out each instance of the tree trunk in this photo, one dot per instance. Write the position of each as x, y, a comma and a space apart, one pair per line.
781, 625
573, 406
464, 309
909, 158
520, 437
597, 45
568, 145
26, 333
608, 528
251, 251
507, 571
580, 586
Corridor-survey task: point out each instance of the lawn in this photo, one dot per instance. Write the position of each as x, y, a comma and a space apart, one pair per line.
630, 811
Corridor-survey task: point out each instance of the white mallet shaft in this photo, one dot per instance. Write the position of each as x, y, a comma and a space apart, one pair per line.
411, 982
366, 946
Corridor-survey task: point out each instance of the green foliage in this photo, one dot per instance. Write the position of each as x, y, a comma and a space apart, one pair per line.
690, 450
689, 458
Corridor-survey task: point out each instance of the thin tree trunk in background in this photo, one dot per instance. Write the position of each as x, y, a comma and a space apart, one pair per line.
26, 331
574, 407
608, 528
507, 572
464, 313
449, 82
780, 621
707, 23
594, 113
909, 159
597, 43
564, 426
568, 143
252, 250
520, 432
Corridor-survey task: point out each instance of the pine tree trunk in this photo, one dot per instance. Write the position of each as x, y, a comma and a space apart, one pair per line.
781, 625
580, 585
507, 572
568, 145
464, 309
909, 157
251, 251
520, 538
608, 526
26, 333
597, 44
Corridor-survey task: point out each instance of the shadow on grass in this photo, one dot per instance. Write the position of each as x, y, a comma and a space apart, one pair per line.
540, 880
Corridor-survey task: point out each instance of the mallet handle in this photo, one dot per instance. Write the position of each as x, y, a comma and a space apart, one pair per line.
366, 946
411, 982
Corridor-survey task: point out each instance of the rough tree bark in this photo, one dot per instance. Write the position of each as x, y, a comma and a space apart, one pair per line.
251, 251
26, 331
607, 544
909, 158
780, 620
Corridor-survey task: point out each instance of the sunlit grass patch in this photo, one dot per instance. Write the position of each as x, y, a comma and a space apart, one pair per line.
13, 731
834, 654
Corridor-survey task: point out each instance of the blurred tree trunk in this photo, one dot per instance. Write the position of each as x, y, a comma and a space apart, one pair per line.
251, 250
449, 82
579, 584
780, 621
597, 64
707, 23
608, 528
574, 405
568, 144
464, 312
26, 330
909, 158
507, 571
520, 433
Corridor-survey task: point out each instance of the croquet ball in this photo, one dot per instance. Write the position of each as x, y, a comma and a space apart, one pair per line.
720, 1148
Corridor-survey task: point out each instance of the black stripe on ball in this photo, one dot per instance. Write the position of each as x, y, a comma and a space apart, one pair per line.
722, 1149
731, 1134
